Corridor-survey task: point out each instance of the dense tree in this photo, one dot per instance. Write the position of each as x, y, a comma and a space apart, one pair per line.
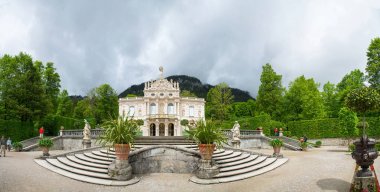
303, 100
353, 80
330, 100
348, 121
241, 109
220, 98
106, 102
83, 109
65, 105
186, 93
373, 63
270, 94
52, 85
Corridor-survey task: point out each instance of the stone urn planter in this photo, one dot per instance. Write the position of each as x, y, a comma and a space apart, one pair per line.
45, 144
206, 151
120, 134
122, 151
365, 153
276, 144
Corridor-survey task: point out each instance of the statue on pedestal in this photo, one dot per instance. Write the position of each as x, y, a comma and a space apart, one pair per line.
236, 132
86, 131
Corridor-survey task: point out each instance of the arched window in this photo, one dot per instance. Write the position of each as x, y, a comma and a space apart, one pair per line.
170, 109
152, 109
131, 111
191, 111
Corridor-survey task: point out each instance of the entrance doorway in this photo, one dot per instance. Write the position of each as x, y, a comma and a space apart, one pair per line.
171, 129
162, 129
152, 129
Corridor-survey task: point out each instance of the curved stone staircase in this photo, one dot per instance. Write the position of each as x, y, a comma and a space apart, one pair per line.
91, 166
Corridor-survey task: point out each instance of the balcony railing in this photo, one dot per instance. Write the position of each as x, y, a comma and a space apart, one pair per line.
162, 116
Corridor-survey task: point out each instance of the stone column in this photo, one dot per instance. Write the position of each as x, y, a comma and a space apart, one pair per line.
157, 129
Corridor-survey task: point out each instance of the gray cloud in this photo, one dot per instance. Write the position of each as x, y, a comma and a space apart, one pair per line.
123, 42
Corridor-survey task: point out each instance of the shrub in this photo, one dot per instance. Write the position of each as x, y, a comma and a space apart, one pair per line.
46, 142
287, 133
17, 130
377, 146
184, 122
318, 143
17, 146
303, 145
140, 122
351, 148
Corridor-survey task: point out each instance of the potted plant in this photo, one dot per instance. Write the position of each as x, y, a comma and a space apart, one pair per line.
208, 136
303, 145
120, 133
45, 144
276, 144
17, 146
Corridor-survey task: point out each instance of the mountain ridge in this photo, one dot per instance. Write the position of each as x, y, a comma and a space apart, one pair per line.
189, 83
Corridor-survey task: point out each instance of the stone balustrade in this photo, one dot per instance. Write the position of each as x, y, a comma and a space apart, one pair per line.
79, 133
243, 133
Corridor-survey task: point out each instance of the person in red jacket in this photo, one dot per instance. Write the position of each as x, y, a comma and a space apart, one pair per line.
42, 132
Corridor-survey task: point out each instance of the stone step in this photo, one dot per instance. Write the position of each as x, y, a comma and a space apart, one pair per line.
267, 162
105, 151
83, 178
88, 159
70, 163
100, 154
234, 154
270, 167
60, 165
224, 153
107, 159
243, 158
243, 165
86, 163
218, 151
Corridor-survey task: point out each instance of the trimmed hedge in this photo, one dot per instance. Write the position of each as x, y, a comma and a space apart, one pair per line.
329, 128
16, 130
53, 123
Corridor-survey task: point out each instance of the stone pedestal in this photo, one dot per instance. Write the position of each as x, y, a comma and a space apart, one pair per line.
235, 144
120, 170
206, 169
364, 184
86, 143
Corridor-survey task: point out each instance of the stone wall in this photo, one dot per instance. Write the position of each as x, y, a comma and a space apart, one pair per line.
253, 142
76, 143
164, 159
331, 141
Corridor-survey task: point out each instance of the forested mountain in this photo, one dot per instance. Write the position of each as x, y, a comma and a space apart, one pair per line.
191, 84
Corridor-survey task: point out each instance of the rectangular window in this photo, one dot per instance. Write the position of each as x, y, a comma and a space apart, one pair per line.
191, 111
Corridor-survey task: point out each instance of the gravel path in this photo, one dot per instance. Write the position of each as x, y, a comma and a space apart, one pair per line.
324, 169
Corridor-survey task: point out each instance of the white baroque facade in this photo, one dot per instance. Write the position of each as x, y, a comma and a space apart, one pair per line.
162, 108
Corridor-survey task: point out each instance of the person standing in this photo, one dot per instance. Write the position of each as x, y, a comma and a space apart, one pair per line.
9, 144
3, 142
42, 132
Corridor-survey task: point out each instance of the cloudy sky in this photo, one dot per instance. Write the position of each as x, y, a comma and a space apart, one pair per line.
124, 42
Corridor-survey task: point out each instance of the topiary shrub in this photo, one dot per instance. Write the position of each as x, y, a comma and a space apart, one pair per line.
318, 144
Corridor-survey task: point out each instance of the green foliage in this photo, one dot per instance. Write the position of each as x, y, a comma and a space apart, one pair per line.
303, 145
17, 145
303, 100
351, 147
318, 144
105, 102
131, 95
330, 100
287, 133
373, 63
65, 105
16, 130
122, 130
242, 109
140, 122
276, 143
220, 98
348, 122
184, 122
318, 128
377, 146
270, 94
207, 133
45, 142
52, 123
363, 100
186, 93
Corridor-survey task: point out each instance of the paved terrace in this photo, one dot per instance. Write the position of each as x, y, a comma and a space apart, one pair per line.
324, 169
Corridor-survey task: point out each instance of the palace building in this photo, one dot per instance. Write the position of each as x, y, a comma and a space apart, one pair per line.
162, 108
